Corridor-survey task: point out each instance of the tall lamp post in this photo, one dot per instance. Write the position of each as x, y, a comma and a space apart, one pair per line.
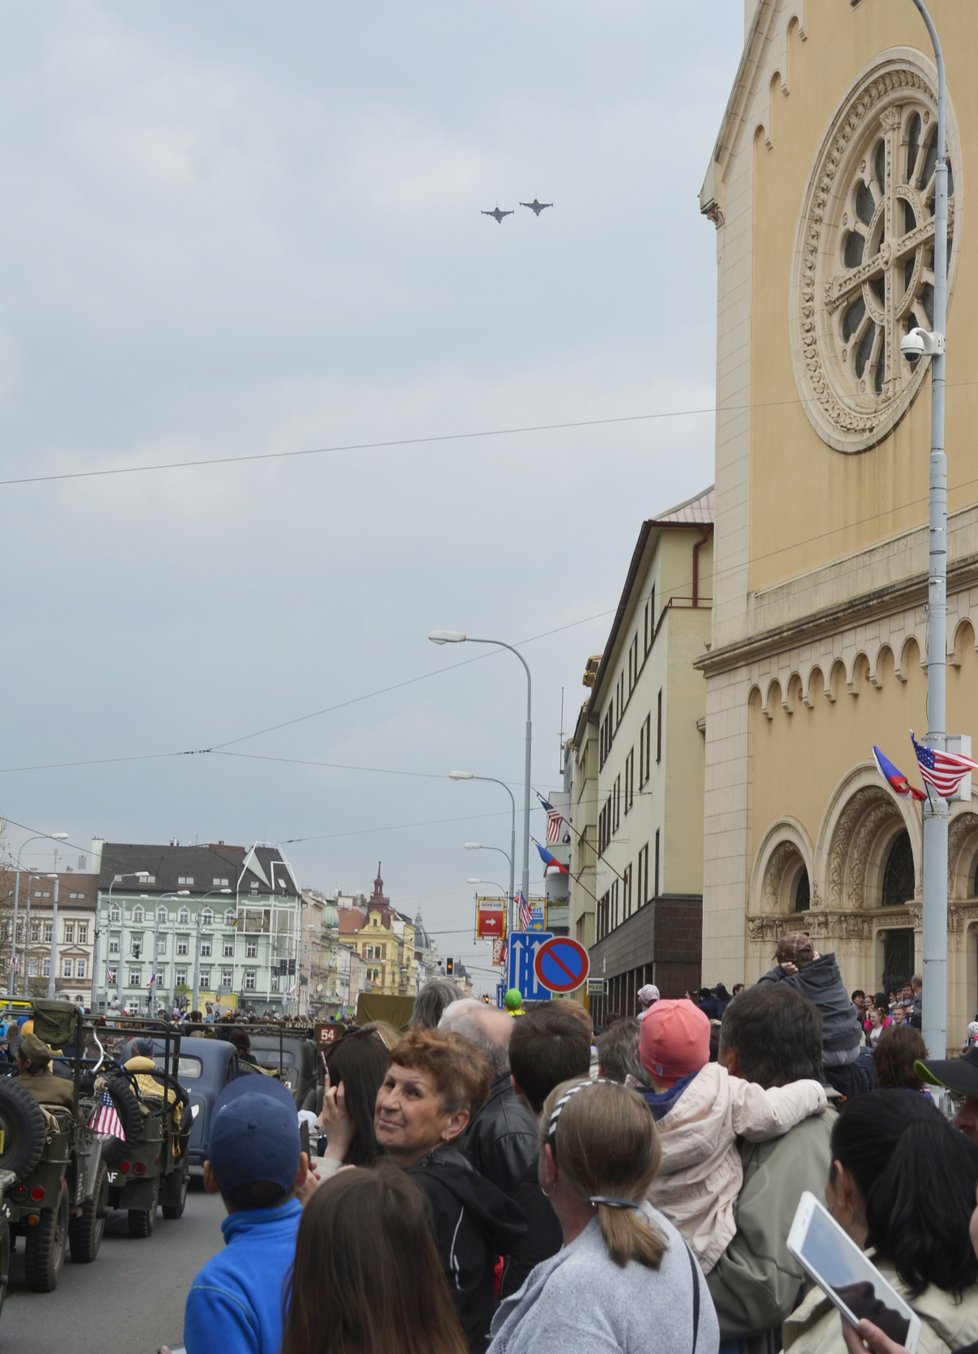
53, 959
12, 967
478, 846
459, 637
469, 775
935, 810
154, 976
96, 956
198, 923
295, 947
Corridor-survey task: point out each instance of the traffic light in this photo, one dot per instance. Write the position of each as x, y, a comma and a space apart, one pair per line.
449, 966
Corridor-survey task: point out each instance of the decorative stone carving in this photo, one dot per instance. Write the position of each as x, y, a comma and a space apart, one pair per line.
865, 249
852, 840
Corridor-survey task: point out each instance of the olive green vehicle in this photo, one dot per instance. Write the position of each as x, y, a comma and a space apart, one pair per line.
149, 1167
53, 1174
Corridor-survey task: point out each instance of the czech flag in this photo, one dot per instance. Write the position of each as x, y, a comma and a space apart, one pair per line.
896, 779
548, 859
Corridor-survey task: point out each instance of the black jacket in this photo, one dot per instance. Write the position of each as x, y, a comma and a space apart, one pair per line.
502, 1141
474, 1223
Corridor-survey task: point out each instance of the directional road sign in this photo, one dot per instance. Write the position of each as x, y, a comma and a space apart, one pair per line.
523, 947
561, 964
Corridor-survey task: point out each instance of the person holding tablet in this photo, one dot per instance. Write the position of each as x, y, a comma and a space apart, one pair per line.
901, 1185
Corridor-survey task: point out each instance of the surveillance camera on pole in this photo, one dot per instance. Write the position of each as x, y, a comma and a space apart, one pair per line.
920, 343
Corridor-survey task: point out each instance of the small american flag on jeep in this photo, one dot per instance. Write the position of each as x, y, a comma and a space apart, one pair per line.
104, 1119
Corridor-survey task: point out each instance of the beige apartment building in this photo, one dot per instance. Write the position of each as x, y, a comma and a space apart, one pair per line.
637, 778
821, 190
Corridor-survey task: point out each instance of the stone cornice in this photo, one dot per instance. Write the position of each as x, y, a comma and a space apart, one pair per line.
843, 615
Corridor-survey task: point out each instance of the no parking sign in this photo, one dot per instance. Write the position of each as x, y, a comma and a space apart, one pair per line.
561, 964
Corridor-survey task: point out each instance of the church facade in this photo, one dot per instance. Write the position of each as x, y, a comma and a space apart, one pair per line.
821, 189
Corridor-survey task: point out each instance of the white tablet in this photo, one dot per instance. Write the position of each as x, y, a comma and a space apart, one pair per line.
847, 1276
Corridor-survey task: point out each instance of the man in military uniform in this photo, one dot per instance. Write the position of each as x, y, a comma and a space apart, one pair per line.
37, 1079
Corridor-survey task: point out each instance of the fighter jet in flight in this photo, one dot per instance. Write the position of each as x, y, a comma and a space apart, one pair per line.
536, 206
497, 214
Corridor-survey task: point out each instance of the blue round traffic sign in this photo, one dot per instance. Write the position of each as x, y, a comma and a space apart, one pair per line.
561, 964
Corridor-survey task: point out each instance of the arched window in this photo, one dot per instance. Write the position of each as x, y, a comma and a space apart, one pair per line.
898, 873
229, 917
803, 893
115, 913
184, 916
162, 914
138, 914
207, 917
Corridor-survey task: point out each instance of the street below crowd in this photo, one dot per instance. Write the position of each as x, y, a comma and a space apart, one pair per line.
130, 1301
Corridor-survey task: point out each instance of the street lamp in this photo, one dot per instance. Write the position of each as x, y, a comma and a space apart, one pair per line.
295, 947
53, 960
470, 775
96, 958
198, 923
12, 968
459, 637
477, 846
935, 809
154, 976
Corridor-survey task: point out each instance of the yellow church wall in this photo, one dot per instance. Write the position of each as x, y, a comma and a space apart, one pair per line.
811, 504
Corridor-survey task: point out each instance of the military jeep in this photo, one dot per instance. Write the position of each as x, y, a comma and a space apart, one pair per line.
148, 1161
58, 1195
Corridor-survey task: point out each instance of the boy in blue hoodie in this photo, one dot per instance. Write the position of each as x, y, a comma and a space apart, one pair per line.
256, 1165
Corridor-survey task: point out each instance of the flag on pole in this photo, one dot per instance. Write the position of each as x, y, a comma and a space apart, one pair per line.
110, 975
15, 964
943, 770
104, 1119
548, 859
555, 820
525, 912
897, 781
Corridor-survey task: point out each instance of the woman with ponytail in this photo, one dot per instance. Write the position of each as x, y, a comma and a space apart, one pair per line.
625, 1281
902, 1186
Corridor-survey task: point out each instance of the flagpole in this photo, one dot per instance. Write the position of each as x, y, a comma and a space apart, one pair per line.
936, 813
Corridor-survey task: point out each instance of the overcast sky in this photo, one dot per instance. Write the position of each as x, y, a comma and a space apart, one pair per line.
233, 229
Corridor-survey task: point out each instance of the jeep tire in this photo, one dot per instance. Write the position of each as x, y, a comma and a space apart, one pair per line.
85, 1232
44, 1246
22, 1129
173, 1194
142, 1220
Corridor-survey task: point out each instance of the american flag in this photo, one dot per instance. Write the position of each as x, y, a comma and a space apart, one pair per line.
110, 975
555, 822
104, 1119
943, 770
526, 915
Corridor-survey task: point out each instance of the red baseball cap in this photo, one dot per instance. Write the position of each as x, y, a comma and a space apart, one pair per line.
675, 1040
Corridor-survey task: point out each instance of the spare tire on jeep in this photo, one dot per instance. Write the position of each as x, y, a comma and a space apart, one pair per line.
130, 1116
22, 1129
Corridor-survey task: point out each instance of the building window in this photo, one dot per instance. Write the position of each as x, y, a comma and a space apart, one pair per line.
228, 950
135, 978
251, 949
67, 968
81, 968
138, 915
227, 978
183, 945
645, 751
83, 933
207, 917
626, 892
616, 805
114, 945
35, 932
185, 879
643, 876
205, 977
650, 619
48, 932
658, 727
183, 917
229, 917
69, 937
180, 977
114, 913
205, 949
220, 883
619, 698
162, 915
655, 881
161, 943
614, 905
250, 980
633, 664
629, 780
45, 968
898, 874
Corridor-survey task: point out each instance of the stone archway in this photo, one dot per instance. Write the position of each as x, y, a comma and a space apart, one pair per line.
857, 840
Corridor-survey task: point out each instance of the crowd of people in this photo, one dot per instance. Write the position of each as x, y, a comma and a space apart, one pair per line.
483, 1183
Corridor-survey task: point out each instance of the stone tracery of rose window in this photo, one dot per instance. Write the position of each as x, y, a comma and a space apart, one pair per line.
866, 275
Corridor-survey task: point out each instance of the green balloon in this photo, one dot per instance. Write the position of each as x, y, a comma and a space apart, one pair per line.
513, 999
